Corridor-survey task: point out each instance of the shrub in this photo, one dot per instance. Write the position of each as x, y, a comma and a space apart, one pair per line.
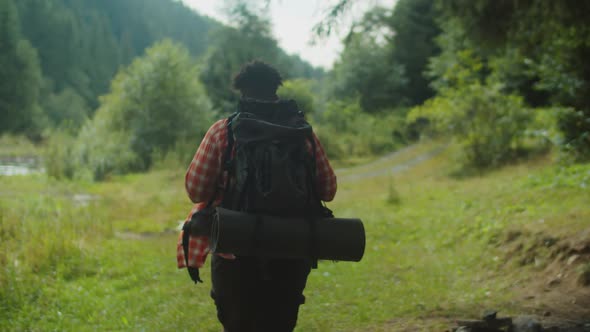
154, 103
299, 90
93, 155
177, 157
488, 126
100, 151
346, 131
17, 145
59, 155
575, 126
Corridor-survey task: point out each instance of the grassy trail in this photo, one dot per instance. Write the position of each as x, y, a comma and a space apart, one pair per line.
435, 249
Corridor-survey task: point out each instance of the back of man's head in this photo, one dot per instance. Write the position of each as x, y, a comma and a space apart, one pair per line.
258, 80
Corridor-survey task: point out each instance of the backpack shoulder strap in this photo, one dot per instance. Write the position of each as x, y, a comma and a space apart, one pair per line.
230, 142
227, 157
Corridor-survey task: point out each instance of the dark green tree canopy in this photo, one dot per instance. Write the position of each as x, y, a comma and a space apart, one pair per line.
386, 56
537, 48
82, 44
249, 39
20, 76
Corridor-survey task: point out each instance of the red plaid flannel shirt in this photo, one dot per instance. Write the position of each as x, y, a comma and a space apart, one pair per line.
204, 175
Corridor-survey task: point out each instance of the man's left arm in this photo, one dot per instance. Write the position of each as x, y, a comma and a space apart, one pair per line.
201, 180
204, 170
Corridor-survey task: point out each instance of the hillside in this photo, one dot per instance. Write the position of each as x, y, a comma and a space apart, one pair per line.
82, 44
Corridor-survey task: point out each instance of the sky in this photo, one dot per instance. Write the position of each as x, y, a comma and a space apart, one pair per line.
293, 21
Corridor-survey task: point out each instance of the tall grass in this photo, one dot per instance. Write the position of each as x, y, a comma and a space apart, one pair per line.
14, 146
45, 239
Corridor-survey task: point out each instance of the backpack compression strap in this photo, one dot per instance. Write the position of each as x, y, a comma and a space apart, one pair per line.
193, 272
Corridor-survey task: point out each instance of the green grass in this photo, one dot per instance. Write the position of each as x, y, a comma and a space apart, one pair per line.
430, 257
17, 146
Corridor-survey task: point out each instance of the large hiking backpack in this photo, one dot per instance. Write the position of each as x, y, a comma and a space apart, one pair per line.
273, 168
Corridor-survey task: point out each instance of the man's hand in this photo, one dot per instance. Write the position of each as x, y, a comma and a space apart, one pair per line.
194, 273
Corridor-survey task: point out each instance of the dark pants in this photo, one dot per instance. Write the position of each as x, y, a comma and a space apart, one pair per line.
257, 296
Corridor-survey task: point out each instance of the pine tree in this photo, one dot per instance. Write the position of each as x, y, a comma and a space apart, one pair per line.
20, 76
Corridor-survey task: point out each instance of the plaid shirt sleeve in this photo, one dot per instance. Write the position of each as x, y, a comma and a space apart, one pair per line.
325, 176
202, 176
201, 180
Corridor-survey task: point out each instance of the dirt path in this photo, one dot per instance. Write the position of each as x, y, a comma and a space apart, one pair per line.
373, 169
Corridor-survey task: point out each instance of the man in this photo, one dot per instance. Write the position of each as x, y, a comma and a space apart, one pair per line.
251, 294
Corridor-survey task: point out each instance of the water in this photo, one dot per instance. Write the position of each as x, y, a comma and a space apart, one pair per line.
12, 166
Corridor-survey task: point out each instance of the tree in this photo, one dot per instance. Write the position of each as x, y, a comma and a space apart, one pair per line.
364, 71
82, 44
414, 26
20, 76
250, 39
551, 44
66, 108
487, 124
386, 55
154, 103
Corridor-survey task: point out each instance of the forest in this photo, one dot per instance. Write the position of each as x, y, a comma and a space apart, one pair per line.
458, 129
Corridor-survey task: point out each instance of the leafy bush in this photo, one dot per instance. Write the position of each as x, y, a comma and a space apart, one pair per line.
562, 176
93, 155
100, 151
179, 156
299, 90
17, 145
59, 156
488, 125
153, 104
543, 127
575, 126
345, 130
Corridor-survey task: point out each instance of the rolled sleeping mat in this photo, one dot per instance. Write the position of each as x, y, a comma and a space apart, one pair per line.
245, 234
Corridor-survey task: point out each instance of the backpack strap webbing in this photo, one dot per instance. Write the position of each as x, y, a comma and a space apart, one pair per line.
311, 219
193, 272
230, 143
227, 158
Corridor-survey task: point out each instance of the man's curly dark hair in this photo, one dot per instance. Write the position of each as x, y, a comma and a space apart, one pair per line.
259, 80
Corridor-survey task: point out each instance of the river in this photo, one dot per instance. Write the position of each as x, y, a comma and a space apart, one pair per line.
12, 166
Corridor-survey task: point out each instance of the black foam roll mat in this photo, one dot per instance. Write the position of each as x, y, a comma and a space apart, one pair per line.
244, 234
